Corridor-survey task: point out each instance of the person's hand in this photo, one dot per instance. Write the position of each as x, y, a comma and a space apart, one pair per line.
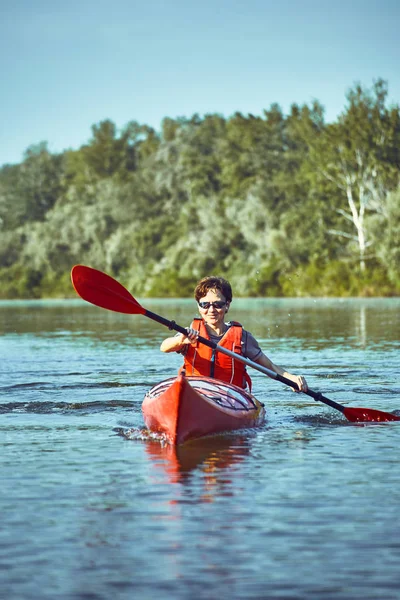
301, 382
191, 338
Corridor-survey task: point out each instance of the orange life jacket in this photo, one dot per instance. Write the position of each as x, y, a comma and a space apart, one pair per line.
203, 361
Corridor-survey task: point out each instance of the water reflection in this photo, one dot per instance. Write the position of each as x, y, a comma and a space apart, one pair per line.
362, 327
212, 458
320, 322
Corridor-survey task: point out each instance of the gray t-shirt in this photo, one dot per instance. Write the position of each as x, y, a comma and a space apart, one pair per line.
250, 347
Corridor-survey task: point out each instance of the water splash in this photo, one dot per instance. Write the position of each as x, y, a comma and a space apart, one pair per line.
141, 434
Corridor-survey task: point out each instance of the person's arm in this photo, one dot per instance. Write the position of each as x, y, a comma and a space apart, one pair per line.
264, 361
177, 342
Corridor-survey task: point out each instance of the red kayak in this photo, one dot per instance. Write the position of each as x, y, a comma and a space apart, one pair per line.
186, 408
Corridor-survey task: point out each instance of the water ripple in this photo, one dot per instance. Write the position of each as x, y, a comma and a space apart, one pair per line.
50, 407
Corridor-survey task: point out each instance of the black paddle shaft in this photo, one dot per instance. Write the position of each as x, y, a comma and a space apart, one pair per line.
317, 396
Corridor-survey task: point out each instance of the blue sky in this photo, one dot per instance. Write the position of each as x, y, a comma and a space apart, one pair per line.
67, 65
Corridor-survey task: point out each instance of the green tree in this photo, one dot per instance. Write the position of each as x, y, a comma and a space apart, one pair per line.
359, 156
266, 200
107, 153
30, 189
386, 230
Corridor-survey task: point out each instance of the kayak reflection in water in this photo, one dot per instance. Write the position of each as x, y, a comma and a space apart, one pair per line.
214, 296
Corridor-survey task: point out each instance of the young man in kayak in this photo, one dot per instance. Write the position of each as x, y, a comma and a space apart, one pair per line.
214, 296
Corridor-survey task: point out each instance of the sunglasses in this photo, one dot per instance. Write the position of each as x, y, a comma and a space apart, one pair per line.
217, 304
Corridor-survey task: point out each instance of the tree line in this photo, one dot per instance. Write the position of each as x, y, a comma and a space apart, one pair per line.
281, 205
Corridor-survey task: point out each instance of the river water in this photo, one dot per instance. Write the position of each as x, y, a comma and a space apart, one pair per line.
305, 507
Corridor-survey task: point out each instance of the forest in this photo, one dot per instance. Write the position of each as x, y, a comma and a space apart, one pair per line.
279, 204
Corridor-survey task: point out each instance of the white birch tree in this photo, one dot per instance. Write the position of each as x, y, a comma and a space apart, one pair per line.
359, 156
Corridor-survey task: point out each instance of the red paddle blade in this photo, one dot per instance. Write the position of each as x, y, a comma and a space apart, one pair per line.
104, 291
368, 414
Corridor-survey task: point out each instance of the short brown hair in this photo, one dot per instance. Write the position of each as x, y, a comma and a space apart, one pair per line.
213, 283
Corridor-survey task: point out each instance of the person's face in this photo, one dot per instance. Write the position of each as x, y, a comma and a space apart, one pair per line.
214, 315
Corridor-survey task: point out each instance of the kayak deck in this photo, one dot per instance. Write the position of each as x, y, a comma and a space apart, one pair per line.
185, 408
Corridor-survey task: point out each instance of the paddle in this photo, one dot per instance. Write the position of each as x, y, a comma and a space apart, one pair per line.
104, 291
